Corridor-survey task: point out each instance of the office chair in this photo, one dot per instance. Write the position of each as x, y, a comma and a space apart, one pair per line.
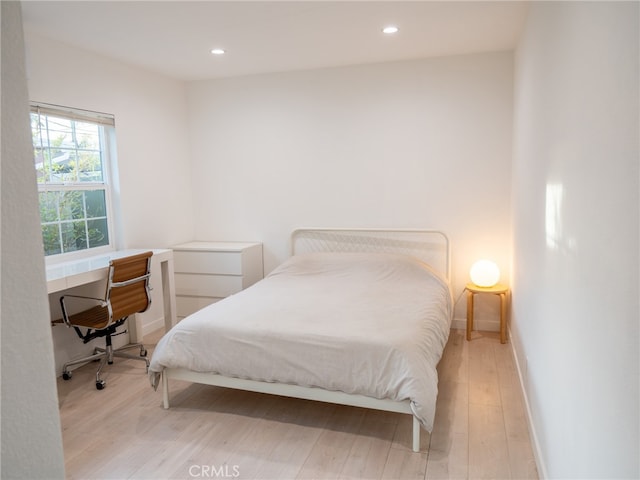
127, 293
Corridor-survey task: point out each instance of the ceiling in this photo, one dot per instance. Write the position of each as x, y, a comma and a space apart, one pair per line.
174, 38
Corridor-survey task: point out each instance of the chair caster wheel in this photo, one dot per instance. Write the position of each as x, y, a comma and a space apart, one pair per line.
101, 384
143, 352
66, 375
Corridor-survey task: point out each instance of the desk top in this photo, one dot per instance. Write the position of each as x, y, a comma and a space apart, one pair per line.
71, 274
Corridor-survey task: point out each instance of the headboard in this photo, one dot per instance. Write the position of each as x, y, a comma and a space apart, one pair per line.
429, 246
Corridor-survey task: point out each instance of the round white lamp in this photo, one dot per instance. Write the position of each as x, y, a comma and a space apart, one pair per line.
484, 273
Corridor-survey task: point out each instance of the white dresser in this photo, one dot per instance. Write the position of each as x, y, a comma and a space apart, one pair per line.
206, 272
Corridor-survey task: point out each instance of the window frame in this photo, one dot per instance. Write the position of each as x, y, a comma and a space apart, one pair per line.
106, 122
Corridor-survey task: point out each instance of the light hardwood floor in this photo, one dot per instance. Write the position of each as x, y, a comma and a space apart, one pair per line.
123, 432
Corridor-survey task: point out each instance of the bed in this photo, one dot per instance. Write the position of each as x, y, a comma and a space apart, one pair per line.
354, 317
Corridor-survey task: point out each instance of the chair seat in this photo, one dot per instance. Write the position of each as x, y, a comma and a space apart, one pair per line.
127, 293
96, 318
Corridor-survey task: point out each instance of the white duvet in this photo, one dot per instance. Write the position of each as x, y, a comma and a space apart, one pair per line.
369, 324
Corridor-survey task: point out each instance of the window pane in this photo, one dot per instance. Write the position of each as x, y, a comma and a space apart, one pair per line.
96, 203
73, 150
98, 232
51, 239
89, 166
88, 136
80, 232
68, 155
64, 166
74, 236
41, 158
39, 131
60, 132
49, 207
71, 205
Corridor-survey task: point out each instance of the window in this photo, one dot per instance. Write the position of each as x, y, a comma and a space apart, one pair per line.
71, 152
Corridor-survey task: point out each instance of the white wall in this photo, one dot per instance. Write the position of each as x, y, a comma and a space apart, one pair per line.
422, 144
153, 180
575, 276
419, 144
31, 434
151, 131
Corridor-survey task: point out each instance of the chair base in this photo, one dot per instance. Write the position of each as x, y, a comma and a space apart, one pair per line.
105, 356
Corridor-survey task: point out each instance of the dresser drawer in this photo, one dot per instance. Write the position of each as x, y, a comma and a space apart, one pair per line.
186, 305
206, 272
208, 285
225, 263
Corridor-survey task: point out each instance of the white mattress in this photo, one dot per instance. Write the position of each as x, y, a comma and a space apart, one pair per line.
369, 324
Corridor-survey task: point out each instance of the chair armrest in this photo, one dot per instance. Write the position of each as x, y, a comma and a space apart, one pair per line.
65, 315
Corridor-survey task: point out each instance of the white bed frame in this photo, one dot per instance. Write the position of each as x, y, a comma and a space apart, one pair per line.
430, 246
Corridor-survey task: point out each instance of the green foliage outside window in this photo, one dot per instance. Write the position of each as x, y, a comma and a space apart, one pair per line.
68, 157
73, 220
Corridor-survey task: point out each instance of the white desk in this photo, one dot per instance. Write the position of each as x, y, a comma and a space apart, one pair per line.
92, 269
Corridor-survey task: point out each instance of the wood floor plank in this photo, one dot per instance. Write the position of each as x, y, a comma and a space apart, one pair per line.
403, 464
403, 436
286, 455
330, 452
233, 425
449, 457
488, 450
454, 364
521, 459
480, 429
298, 425
368, 454
449, 447
484, 386
257, 450
169, 455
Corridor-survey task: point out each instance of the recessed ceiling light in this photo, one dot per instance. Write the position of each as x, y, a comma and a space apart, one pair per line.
390, 29
218, 51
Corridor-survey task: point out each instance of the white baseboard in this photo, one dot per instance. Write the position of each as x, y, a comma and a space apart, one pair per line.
152, 326
533, 437
494, 326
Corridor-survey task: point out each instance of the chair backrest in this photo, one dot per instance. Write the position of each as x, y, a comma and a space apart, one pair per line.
128, 289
